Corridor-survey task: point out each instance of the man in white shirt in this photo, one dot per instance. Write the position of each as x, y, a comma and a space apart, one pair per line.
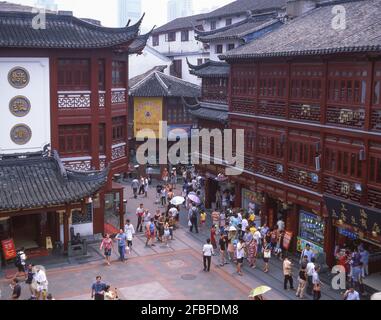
240, 255
147, 217
351, 294
173, 212
310, 271
129, 231
41, 283
244, 225
140, 214
207, 255
307, 252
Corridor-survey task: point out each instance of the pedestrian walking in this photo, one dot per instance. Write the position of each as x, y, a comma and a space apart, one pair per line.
146, 186
240, 253
174, 179
42, 283
98, 289
302, 281
163, 197
310, 272
129, 231
29, 279
252, 250
16, 289
150, 233
167, 234
160, 227
213, 239
141, 186
266, 257
121, 237
307, 252
207, 255
20, 263
316, 284
202, 220
193, 216
287, 272
135, 186
107, 245
223, 244
140, 214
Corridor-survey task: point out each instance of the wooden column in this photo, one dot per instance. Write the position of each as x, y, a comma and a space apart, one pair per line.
238, 195
66, 228
108, 113
94, 104
208, 196
121, 209
292, 221
54, 102
329, 241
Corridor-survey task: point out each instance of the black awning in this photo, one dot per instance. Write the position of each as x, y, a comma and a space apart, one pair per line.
364, 218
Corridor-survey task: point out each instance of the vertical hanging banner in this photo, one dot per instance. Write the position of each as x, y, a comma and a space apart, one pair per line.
9, 249
287, 240
148, 112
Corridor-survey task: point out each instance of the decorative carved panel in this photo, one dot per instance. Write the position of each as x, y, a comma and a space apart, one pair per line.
118, 97
81, 165
118, 152
73, 100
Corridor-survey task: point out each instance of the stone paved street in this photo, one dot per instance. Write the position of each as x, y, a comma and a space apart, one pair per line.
161, 272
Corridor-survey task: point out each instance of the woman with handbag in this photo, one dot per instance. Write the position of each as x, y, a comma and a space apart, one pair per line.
267, 257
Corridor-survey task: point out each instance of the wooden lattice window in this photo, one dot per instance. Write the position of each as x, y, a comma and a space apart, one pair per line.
73, 74
118, 74
74, 140
118, 130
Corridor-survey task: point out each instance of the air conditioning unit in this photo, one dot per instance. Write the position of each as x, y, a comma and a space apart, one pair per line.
362, 155
317, 163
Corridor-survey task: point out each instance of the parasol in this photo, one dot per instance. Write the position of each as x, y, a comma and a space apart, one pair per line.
177, 200
259, 291
194, 199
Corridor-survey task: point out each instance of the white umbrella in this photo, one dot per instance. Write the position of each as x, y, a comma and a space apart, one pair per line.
177, 200
376, 296
194, 198
232, 228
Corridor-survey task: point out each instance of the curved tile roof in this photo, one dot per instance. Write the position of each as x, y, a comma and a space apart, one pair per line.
158, 84
62, 31
312, 33
210, 69
40, 181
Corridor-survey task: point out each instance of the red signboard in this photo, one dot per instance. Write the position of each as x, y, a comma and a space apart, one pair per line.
287, 240
9, 249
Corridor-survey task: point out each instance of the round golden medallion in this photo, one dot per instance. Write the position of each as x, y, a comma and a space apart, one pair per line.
18, 77
21, 134
19, 106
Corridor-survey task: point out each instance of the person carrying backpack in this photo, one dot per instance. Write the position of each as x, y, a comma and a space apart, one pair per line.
193, 216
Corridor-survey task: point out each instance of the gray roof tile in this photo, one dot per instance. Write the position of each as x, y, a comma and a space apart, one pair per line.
40, 180
312, 33
158, 84
62, 31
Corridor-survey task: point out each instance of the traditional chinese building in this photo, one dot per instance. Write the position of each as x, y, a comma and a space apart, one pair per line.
308, 96
65, 83
157, 98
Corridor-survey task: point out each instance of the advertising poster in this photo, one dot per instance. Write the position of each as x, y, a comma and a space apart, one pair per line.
9, 249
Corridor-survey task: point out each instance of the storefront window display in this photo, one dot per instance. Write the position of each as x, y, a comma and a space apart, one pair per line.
251, 203
311, 231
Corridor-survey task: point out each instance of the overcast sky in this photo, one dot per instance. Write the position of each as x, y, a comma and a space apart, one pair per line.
106, 10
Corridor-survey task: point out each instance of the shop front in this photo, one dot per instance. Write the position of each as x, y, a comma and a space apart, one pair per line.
252, 202
311, 231
356, 226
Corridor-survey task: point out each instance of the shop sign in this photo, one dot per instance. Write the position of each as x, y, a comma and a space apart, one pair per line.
301, 244
9, 249
360, 217
287, 240
347, 233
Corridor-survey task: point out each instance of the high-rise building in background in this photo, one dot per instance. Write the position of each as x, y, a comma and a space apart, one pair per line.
179, 8
47, 4
129, 10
